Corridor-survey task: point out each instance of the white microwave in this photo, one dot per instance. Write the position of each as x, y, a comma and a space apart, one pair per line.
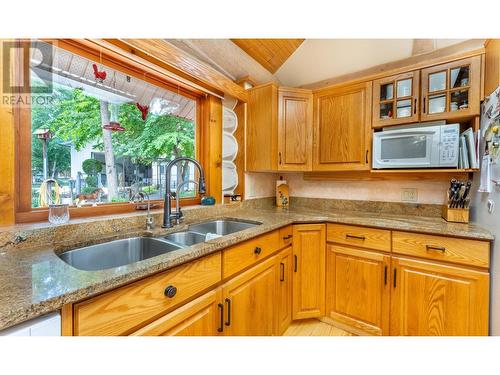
416, 147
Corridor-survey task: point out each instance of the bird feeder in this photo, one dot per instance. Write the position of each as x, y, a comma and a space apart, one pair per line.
114, 124
44, 135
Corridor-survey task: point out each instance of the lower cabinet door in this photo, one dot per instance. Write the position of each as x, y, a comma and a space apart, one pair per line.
250, 301
358, 289
309, 242
430, 299
200, 317
284, 315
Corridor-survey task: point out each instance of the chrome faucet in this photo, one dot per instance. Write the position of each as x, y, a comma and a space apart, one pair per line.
168, 216
149, 217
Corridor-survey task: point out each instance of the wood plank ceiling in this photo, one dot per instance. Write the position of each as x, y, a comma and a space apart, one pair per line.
270, 53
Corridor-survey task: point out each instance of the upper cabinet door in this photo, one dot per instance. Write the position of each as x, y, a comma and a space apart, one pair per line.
342, 128
262, 118
295, 130
396, 99
451, 91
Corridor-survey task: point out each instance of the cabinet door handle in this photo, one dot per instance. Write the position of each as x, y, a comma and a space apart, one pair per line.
423, 105
437, 248
295, 261
385, 275
362, 238
257, 250
282, 271
170, 291
395, 274
366, 157
415, 107
228, 321
221, 310
287, 237
279, 157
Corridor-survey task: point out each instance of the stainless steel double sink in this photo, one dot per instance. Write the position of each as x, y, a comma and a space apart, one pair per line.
126, 251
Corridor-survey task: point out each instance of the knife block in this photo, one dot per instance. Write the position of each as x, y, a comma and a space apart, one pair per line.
455, 215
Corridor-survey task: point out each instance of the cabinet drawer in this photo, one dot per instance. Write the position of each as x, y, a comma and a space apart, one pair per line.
286, 236
125, 309
448, 249
241, 256
377, 239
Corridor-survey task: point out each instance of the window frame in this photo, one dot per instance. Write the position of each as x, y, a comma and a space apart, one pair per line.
24, 212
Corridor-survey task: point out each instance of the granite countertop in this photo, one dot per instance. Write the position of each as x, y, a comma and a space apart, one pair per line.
35, 281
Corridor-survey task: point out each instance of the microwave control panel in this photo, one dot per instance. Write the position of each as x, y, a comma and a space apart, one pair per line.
449, 145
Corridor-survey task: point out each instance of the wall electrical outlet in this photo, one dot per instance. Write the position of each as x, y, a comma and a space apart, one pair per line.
409, 195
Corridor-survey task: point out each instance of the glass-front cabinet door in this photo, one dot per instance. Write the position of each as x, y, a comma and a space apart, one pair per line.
451, 90
395, 99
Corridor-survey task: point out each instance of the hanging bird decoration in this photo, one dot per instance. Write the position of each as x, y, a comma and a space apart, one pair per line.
99, 76
144, 110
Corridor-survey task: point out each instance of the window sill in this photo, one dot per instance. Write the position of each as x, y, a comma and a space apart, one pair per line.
42, 214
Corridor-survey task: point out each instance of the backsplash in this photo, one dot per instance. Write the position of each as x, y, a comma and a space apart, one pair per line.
378, 207
260, 185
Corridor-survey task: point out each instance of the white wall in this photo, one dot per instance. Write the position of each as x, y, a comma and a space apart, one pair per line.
260, 185
319, 59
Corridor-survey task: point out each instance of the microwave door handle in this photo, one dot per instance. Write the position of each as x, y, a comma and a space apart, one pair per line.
401, 135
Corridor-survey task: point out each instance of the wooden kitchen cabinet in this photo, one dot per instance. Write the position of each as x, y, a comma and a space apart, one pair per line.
358, 288
285, 274
262, 129
432, 299
123, 310
279, 129
396, 99
201, 317
309, 242
250, 301
342, 128
452, 90
295, 115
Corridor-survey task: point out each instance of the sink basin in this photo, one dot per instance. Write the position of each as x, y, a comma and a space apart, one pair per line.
117, 253
185, 238
222, 227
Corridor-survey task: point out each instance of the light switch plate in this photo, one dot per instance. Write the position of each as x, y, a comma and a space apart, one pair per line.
409, 195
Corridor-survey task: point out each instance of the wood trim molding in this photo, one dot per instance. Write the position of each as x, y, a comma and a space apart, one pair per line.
458, 51
384, 176
211, 138
180, 63
42, 214
21, 142
8, 146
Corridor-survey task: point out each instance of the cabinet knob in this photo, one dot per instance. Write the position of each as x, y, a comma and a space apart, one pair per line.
170, 291
257, 250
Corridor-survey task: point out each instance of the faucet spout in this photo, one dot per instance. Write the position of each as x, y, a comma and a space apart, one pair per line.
168, 216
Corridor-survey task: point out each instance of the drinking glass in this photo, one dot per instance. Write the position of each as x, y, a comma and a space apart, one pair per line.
58, 213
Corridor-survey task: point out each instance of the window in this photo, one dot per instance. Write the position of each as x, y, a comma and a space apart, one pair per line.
102, 135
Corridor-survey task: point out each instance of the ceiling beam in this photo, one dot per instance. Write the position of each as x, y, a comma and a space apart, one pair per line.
182, 64
270, 53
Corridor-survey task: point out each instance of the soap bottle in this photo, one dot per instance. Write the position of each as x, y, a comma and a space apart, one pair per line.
282, 196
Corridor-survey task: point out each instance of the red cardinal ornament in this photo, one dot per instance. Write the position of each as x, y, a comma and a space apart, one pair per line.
144, 111
99, 76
